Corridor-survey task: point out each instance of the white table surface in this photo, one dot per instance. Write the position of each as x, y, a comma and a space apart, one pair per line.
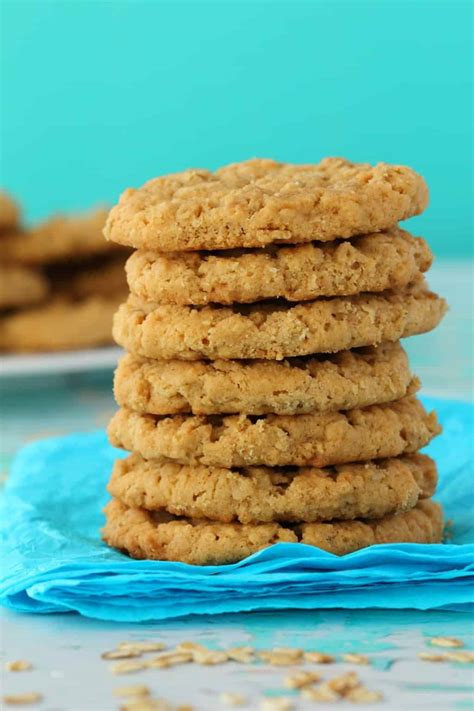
65, 649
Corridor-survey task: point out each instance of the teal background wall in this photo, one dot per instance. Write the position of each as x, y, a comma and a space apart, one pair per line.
99, 95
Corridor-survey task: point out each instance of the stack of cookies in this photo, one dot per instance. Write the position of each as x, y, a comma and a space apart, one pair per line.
265, 395
61, 282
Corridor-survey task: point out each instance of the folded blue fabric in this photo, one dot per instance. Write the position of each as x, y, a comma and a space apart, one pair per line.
54, 560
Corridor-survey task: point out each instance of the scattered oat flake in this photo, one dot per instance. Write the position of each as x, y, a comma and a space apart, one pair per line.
230, 699
241, 654
185, 707
322, 692
464, 657
278, 703
431, 657
301, 679
446, 642
143, 646
30, 697
121, 654
319, 658
137, 690
362, 695
169, 659
126, 667
343, 683
281, 656
18, 665
355, 658
146, 705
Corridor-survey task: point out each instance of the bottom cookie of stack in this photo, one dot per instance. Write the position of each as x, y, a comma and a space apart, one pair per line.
162, 536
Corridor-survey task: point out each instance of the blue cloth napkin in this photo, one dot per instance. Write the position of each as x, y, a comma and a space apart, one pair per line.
54, 560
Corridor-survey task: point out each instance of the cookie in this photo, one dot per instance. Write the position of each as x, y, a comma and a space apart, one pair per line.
21, 286
260, 202
318, 440
59, 239
161, 536
59, 325
374, 263
105, 278
261, 494
272, 330
292, 387
9, 212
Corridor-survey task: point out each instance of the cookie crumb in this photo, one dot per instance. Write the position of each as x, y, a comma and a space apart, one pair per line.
18, 665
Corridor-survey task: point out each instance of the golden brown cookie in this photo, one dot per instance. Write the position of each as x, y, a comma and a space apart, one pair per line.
59, 325
21, 286
58, 239
292, 387
273, 330
262, 494
9, 212
319, 440
376, 262
160, 536
260, 202
106, 278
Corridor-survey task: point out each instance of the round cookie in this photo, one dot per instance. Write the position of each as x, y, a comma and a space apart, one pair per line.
318, 440
261, 494
328, 383
9, 212
160, 536
106, 278
21, 286
274, 331
59, 325
59, 239
374, 263
260, 202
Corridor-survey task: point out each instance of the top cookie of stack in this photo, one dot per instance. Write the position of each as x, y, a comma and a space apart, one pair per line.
241, 281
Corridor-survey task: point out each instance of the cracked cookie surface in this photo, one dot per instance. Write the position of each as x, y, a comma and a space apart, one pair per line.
326, 383
161, 536
260, 494
373, 432
372, 263
274, 331
260, 202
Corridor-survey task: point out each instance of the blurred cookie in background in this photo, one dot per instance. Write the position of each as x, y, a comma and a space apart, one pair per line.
60, 238
61, 283
9, 213
21, 286
59, 324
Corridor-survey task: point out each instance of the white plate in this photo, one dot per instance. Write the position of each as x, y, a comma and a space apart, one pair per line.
62, 362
